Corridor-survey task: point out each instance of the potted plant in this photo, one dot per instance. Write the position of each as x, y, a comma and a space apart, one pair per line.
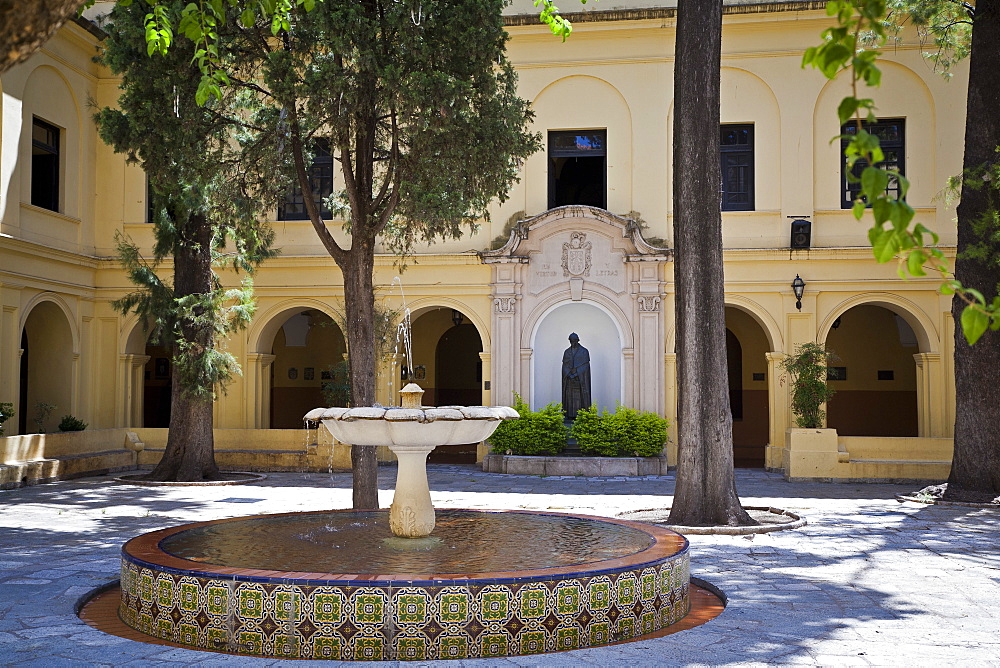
807, 369
811, 451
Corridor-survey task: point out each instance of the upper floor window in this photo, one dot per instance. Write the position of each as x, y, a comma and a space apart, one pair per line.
891, 134
321, 179
578, 172
44, 165
736, 157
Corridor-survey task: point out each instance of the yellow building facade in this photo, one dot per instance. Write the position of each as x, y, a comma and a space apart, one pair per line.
582, 244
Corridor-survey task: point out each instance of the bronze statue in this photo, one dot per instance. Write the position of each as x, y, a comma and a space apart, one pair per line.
575, 378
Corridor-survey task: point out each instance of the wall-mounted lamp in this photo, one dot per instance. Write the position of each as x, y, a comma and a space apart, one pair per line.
798, 287
456, 317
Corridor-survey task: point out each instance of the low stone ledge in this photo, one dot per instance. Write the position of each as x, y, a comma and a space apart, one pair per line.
66, 467
575, 466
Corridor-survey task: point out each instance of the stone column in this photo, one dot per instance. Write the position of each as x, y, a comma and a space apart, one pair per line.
524, 365
777, 411
10, 361
649, 346
487, 375
259, 386
505, 374
931, 395
76, 375
131, 407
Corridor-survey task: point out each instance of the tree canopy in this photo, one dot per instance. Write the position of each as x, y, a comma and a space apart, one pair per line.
208, 211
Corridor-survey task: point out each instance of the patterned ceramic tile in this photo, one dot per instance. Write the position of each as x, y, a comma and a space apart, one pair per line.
382, 621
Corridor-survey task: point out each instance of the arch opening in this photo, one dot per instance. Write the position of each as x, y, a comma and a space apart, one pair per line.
447, 365
46, 369
875, 374
747, 345
156, 384
309, 351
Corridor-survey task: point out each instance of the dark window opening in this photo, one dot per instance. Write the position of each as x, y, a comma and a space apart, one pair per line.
321, 180
578, 172
886, 374
736, 158
150, 204
891, 135
44, 165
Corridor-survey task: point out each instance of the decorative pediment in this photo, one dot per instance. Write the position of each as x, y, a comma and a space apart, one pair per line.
576, 253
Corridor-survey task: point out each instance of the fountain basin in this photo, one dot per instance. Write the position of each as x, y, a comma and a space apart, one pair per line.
427, 427
491, 584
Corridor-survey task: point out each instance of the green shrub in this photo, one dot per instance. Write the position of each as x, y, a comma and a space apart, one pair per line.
534, 433
592, 431
624, 433
808, 368
70, 423
6, 412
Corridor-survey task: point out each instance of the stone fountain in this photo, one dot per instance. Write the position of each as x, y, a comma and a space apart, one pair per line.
411, 432
371, 585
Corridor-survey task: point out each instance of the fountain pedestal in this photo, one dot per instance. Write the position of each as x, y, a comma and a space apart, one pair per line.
411, 514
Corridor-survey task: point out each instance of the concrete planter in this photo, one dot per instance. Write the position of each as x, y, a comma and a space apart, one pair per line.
581, 466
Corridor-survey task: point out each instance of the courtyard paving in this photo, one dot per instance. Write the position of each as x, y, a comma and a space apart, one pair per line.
869, 581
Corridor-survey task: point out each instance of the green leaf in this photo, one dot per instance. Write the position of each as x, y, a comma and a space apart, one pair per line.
881, 209
915, 262
847, 108
247, 18
974, 324
858, 208
874, 182
885, 246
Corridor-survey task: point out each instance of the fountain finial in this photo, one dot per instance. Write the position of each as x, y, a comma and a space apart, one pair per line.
410, 396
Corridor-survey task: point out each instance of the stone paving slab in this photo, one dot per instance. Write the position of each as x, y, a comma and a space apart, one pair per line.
869, 581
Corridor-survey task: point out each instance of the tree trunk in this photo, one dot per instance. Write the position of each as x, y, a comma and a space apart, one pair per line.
26, 26
190, 451
975, 469
706, 489
359, 300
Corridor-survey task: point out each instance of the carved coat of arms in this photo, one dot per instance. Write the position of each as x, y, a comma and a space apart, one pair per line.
576, 255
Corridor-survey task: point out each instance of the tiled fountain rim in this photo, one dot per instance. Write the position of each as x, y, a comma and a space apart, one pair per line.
666, 543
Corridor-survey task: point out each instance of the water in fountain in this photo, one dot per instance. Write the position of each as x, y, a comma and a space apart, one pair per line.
324, 542
404, 332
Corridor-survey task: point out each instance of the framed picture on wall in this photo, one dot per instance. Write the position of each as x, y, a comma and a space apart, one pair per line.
308, 373
162, 367
420, 372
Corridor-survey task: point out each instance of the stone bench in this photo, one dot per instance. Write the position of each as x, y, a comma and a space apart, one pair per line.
34, 458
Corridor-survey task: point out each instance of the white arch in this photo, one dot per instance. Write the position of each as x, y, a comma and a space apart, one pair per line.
556, 298
927, 336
